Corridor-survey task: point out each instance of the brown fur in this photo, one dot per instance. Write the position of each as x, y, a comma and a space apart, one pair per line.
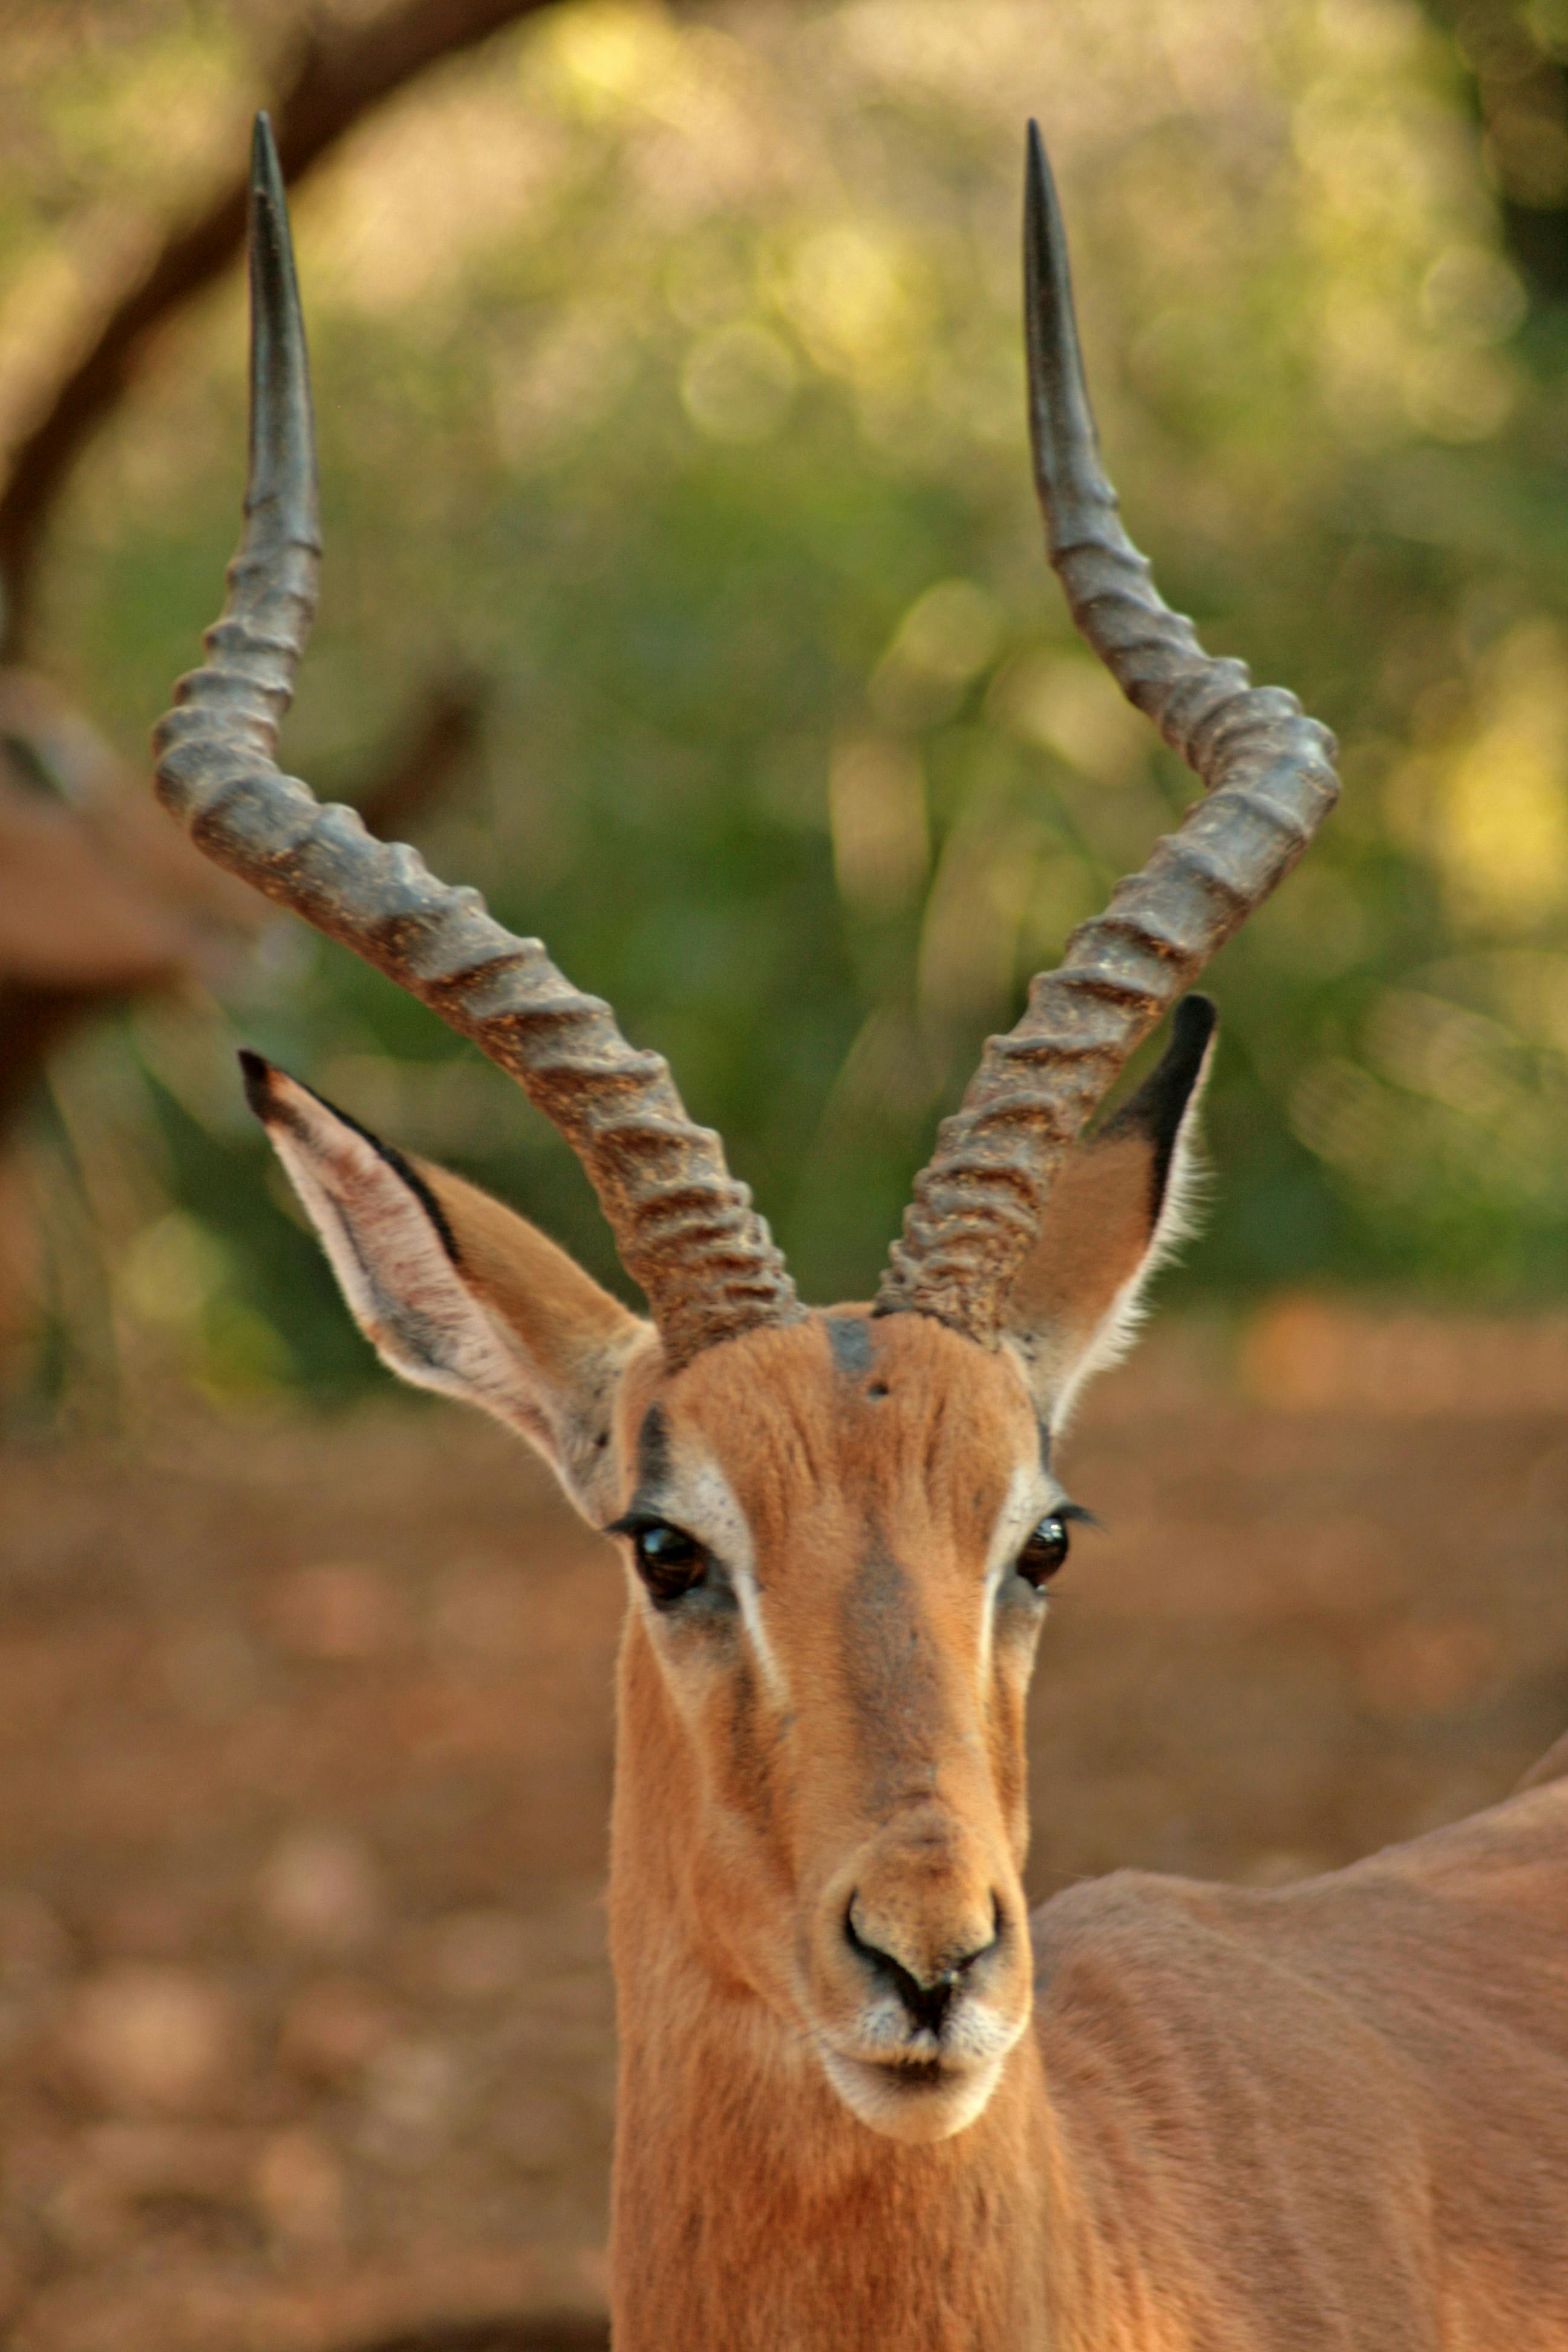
576, 1333
1331, 2118
1552, 1765
1333, 2115
752, 2210
1093, 1238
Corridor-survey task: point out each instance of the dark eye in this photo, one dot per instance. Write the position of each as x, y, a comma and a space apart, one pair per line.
1043, 1553
671, 1561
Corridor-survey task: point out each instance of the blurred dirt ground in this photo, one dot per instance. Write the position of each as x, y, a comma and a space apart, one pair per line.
305, 2026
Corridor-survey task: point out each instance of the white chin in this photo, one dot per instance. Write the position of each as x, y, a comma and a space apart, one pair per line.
915, 2105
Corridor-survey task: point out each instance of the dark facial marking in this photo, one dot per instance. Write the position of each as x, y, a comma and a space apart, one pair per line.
889, 1669
1045, 1448
652, 1487
850, 1338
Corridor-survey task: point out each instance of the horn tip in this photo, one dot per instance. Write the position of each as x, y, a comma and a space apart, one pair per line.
1043, 235
266, 173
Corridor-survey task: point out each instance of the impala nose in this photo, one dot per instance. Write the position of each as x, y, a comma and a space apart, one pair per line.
926, 1992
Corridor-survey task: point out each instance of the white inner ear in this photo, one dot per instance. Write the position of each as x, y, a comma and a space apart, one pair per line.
403, 1289
1030, 1494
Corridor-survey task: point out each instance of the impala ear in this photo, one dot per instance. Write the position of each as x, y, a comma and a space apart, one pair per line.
1122, 1202
457, 1293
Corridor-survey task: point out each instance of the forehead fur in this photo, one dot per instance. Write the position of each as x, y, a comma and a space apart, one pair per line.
847, 1412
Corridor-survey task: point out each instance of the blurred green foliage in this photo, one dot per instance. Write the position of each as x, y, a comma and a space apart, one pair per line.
669, 371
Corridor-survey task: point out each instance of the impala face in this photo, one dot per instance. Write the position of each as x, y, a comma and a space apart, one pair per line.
834, 1537
837, 1535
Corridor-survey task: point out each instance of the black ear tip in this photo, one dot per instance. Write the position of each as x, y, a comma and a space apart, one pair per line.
256, 1075
1194, 1023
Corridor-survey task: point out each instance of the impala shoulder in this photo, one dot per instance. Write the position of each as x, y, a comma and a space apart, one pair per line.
1550, 1768
1136, 1959
1129, 1916
1514, 1854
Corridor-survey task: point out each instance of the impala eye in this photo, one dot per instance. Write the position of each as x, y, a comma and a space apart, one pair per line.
1043, 1553
670, 1561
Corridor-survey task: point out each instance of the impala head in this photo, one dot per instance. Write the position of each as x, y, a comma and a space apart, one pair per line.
837, 1526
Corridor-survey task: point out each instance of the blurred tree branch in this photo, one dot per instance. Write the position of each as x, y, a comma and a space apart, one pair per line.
336, 73
100, 902
436, 744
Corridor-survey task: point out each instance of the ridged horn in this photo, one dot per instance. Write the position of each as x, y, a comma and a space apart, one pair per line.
685, 1228
978, 1205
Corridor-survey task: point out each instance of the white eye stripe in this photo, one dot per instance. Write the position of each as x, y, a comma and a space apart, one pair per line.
750, 1600
1030, 1495
703, 1502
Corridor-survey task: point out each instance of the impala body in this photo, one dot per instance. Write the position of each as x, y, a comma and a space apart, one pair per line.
865, 2100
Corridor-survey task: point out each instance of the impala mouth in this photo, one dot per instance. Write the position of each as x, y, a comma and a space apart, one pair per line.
915, 2074
917, 2099
908, 2067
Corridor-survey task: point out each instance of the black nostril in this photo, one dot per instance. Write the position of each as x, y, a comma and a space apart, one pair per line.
926, 2001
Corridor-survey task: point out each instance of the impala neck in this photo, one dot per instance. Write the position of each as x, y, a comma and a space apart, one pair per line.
753, 2212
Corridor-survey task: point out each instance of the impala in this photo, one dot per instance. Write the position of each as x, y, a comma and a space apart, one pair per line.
864, 2099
